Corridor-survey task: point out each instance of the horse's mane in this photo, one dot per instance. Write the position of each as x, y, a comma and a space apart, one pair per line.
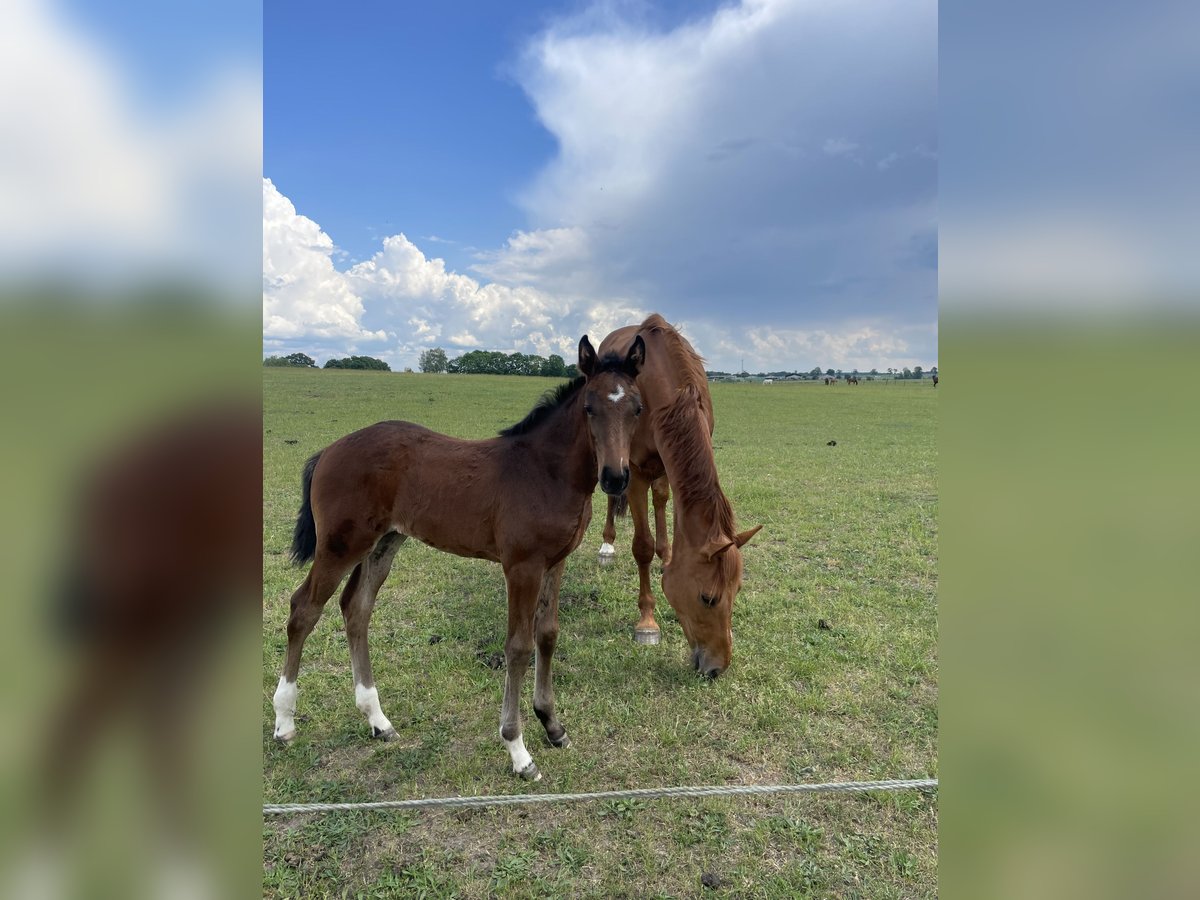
687, 364
559, 396
551, 400
683, 433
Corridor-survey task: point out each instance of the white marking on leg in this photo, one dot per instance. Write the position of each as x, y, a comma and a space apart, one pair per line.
618, 394
285, 709
367, 701
521, 759
608, 550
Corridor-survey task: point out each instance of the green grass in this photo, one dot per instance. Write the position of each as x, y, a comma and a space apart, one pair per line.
850, 536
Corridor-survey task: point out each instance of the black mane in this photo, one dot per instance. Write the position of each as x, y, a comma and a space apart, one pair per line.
559, 396
551, 400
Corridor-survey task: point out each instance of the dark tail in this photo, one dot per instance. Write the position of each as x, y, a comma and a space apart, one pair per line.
304, 538
620, 504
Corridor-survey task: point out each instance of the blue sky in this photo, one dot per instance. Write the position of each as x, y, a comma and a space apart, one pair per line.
510, 176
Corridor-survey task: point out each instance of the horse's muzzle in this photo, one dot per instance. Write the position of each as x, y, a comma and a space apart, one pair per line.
702, 665
614, 482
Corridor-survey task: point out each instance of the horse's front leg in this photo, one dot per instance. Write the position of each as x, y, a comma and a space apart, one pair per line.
546, 635
608, 548
661, 490
524, 585
647, 630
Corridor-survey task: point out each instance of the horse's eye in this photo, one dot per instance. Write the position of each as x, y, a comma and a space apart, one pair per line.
637, 410
588, 409
709, 601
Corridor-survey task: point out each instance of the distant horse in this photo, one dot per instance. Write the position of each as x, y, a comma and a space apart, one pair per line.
851, 379
523, 499
702, 573
935, 381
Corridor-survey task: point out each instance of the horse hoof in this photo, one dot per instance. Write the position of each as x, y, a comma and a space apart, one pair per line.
531, 773
647, 635
562, 743
286, 738
607, 554
384, 735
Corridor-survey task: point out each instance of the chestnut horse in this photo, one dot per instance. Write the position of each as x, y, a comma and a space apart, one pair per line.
523, 499
672, 447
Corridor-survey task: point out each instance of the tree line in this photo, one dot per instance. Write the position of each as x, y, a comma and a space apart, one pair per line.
476, 362
304, 361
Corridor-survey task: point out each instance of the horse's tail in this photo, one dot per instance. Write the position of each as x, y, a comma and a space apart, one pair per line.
304, 538
621, 505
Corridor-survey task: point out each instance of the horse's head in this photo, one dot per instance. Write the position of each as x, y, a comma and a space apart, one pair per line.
701, 582
612, 404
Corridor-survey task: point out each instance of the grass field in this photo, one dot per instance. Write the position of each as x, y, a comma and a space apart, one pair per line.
850, 536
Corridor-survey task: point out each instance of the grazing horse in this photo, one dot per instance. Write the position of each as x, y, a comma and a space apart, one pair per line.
935, 381
523, 499
702, 573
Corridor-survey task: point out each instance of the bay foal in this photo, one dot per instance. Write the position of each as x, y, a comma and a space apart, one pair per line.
523, 499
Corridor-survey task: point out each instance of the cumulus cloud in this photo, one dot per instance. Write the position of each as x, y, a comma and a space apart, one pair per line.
400, 301
706, 163
304, 295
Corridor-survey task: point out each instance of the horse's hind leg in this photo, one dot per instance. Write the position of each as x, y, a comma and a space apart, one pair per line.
608, 549
358, 602
307, 603
661, 490
545, 633
524, 587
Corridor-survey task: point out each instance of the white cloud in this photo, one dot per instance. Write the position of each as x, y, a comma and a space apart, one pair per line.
862, 346
304, 295
698, 165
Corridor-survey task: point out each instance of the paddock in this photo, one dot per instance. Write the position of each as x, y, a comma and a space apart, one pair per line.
849, 537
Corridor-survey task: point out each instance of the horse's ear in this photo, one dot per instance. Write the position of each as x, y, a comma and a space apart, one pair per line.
587, 357
744, 538
713, 549
636, 358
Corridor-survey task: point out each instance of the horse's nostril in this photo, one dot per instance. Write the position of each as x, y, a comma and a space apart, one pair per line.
713, 672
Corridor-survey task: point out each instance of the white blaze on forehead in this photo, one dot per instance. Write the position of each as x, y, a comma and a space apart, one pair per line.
620, 392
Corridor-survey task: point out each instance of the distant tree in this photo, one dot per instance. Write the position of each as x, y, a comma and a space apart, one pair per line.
524, 364
830, 372
554, 367
433, 360
358, 362
874, 371
294, 360
917, 373
572, 371
907, 372
933, 371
